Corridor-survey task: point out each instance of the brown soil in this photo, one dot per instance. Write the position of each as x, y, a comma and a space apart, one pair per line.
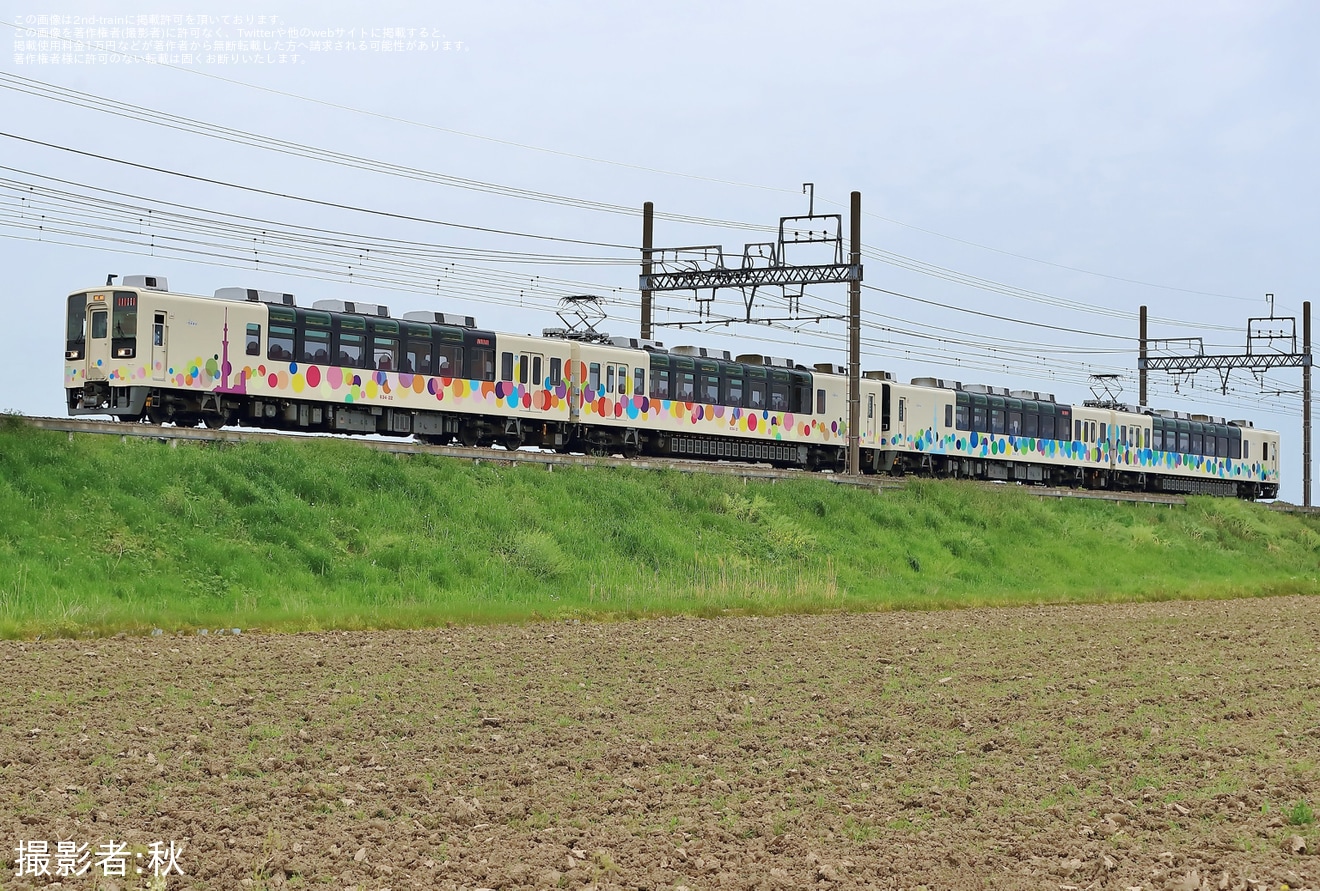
1160, 746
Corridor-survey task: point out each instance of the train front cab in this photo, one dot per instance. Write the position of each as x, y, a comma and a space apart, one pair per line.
103, 367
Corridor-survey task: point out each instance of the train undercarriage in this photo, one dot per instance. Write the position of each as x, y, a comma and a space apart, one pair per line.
161, 406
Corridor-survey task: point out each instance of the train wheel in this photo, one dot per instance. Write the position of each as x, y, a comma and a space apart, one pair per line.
468, 435
512, 441
215, 422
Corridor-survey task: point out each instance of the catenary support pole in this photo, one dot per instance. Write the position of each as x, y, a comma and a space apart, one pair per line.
648, 231
1306, 403
1141, 363
855, 343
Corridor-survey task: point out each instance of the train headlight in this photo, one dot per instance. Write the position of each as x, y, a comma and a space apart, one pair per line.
124, 353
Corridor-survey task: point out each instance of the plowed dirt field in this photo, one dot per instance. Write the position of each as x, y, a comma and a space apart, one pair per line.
1170, 745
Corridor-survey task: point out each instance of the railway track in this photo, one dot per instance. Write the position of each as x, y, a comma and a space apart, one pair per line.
550, 460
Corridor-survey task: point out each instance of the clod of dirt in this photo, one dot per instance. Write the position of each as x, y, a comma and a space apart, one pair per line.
1190, 881
1295, 845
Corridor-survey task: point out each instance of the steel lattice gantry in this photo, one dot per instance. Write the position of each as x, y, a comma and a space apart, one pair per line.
751, 278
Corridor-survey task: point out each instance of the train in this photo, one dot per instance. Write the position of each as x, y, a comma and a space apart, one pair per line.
139, 352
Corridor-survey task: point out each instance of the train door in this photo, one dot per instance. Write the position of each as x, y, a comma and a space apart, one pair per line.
98, 344
531, 372
573, 373
159, 334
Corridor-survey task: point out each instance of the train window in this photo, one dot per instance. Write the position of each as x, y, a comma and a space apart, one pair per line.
77, 330
417, 358
280, 345
1184, 441
1246, 450
450, 358
660, 383
593, 378
253, 347
687, 386
1222, 449
609, 379
385, 354
1047, 426
1157, 438
1015, 423
962, 414
1104, 433
996, 420
1197, 443
756, 395
948, 415
1122, 434
778, 396
316, 346
639, 381
733, 390
979, 419
1209, 446
802, 392
1030, 424
556, 371
1264, 451
523, 369
100, 326
1077, 434
350, 348
483, 364
538, 379
710, 388
622, 379
506, 367
126, 314
820, 403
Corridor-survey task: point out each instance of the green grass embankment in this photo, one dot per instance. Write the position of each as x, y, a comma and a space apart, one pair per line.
100, 535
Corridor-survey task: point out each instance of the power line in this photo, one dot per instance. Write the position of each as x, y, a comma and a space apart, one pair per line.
314, 201
94, 102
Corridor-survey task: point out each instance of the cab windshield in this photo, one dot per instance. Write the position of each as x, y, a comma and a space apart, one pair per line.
125, 322
77, 319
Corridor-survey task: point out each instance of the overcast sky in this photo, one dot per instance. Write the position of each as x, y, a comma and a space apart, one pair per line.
1031, 172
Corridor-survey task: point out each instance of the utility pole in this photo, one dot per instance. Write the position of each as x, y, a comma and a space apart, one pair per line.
855, 342
648, 231
1306, 404
1141, 360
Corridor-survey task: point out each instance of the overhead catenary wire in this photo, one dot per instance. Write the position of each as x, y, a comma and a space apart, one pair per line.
192, 125
335, 205
670, 173
477, 285
502, 231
